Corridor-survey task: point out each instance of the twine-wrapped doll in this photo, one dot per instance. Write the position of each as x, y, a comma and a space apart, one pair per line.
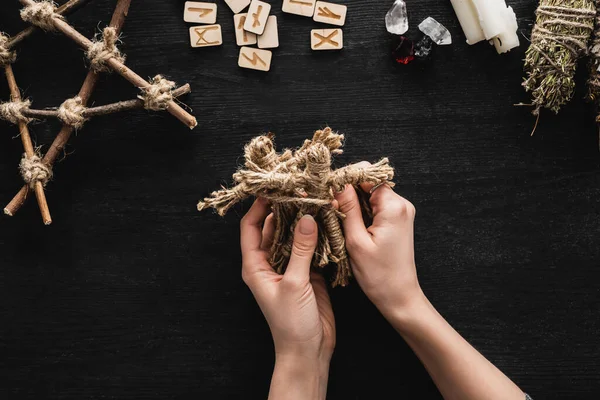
297, 183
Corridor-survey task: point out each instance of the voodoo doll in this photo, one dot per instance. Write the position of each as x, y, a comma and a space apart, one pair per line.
301, 182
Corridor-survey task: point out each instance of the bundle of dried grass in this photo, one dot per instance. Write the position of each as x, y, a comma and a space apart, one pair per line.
593, 93
297, 183
560, 37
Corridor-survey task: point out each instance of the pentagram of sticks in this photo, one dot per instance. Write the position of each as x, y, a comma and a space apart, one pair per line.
104, 56
297, 183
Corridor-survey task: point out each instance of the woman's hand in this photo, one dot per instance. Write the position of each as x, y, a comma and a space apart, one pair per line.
382, 255
296, 305
383, 261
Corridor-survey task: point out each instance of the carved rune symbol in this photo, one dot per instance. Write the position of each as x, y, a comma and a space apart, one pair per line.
241, 26
203, 11
256, 15
201, 32
327, 13
327, 39
255, 58
302, 3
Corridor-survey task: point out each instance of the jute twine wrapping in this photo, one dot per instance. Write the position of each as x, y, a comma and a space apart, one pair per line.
13, 111
34, 170
560, 37
297, 183
6, 55
157, 96
71, 112
104, 49
41, 14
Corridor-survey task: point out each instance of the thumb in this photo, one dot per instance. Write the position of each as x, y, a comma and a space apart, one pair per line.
303, 249
355, 230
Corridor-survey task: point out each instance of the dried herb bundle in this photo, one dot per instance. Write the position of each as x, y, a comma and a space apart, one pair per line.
593, 93
560, 37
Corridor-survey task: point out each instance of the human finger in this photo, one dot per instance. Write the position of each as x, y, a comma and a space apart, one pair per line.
354, 227
365, 186
268, 232
251, 226
388, 206
303, 249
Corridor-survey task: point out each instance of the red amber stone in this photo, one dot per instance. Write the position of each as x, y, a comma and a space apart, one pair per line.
403, 50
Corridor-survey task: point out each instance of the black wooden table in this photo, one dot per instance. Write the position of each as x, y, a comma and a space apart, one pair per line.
133, 294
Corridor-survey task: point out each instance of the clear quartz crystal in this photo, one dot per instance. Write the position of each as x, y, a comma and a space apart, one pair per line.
423, 47
396, 19
436, 31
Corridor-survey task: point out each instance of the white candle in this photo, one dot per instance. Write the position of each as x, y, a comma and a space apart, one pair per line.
488, 19
508, 39
469, 20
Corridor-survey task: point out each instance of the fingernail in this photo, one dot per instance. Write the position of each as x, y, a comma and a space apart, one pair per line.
307, 225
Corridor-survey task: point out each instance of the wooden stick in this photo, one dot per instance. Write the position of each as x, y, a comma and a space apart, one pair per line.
120, 68
105, 109
28, 145
59, 143
39, 114
68, 8
130, 104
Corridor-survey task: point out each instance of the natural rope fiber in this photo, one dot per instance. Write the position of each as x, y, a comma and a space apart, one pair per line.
104, 49
41, 14
34, 170
71, 112
13, 111
297, 183
558, 40
158, 95
6, 55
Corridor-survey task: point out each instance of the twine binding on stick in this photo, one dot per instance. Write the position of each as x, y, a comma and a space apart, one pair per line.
13, 111
6, 55
71, 112
558, 40
104, 49
297, 183
41, 14
34, 170
157, 96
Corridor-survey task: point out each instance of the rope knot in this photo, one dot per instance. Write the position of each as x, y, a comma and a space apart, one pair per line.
71, 112
104, 49
158, 95
6, 55
34, 170
13, 111
41, 14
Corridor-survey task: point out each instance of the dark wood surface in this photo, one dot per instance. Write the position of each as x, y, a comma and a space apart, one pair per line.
133, 294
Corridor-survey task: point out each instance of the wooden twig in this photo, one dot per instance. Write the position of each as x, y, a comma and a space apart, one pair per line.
28, 145
39, 114
105, 109
120, 68
59, 143
68, 8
